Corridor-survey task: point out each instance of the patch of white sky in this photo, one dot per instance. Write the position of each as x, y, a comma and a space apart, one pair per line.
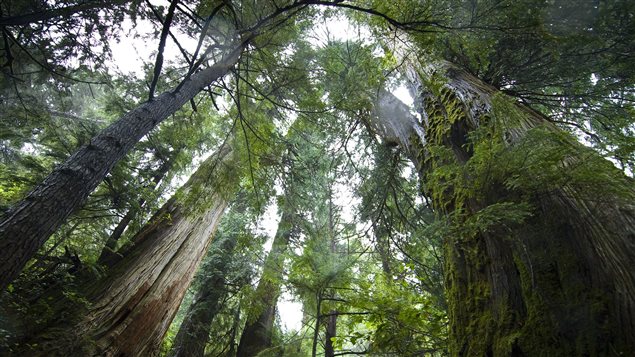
137, 47
139, 42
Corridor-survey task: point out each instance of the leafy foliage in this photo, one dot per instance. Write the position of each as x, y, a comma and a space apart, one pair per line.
295, 123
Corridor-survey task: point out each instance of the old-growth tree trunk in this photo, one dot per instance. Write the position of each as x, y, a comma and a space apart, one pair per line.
131, 308
30, 222
193, 334
258, 332
557, 282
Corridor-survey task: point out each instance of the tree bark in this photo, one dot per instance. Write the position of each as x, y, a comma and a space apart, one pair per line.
30, 222
131, 308
559, 283
234, 331
331, 332
193, 334
331, 320
258, 332
316, 328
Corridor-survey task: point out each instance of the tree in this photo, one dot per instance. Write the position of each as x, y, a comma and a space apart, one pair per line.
130, 309
568, 61
47, 14
29, 223
23, 229
501, 280
537, 228
517, 230
406, 303
223, 276
258, 332
111, 244
193, 334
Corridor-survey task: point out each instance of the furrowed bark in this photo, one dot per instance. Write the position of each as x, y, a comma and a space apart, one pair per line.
258, 332
193, 334
131, 309
30, 222
134, 321
559, 283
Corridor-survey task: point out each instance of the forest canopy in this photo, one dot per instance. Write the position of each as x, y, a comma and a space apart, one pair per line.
409, 178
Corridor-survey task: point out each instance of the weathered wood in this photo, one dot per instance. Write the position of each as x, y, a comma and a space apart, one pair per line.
137, 308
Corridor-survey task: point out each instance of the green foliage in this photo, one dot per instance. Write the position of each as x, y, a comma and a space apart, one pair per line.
576, 50
402, 320
293, 119
344, 65
492, 173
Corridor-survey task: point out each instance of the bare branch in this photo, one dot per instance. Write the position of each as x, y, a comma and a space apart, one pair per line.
164, 35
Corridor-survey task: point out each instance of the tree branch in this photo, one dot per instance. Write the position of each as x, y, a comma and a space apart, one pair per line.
164, 35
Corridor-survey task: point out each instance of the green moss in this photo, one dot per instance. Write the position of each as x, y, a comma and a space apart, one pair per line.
512, 179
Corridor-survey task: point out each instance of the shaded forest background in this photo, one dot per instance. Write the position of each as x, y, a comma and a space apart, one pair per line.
489, 215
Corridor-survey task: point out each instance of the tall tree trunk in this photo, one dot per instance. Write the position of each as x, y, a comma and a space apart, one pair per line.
193, 334
316, 328
559, 283
258, 331
131, 308
30, 222
108, 251
331, 332
331, 320
233, 345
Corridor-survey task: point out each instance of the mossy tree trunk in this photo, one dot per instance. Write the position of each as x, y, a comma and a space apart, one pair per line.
258, 333
132, 307
540, 240
193, 334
